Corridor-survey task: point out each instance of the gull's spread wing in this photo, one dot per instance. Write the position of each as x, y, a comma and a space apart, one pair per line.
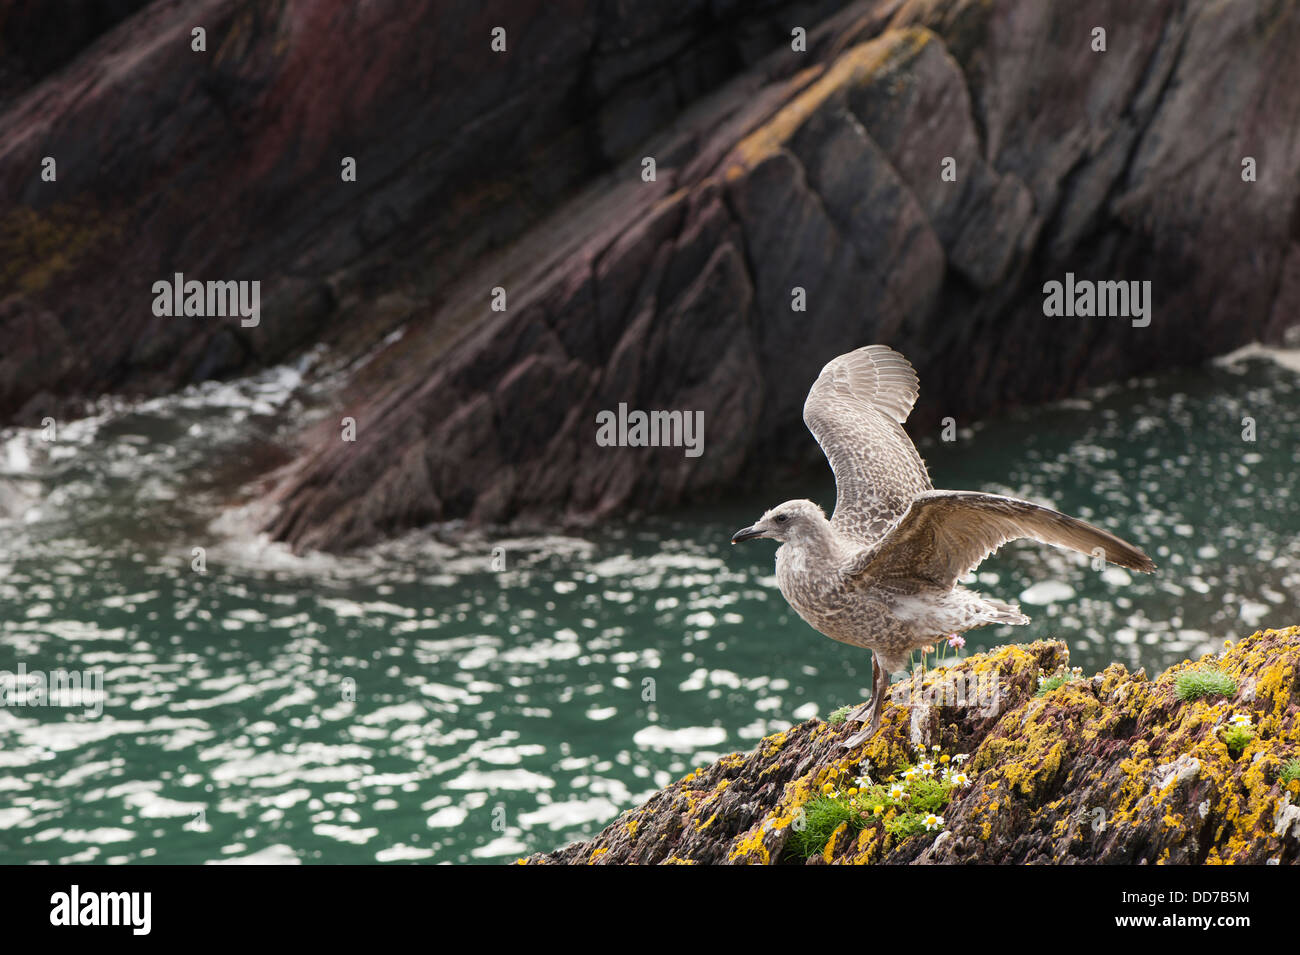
946, 534
856, 410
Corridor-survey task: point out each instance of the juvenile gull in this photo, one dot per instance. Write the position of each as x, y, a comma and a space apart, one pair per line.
882, 572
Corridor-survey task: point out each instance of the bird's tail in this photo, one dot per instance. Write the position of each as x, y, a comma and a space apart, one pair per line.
1001, 612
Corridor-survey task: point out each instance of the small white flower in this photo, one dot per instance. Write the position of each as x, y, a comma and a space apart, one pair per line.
911, 772
933, 822
927, 768
1239, 719
897, 791
959, 779
960, 758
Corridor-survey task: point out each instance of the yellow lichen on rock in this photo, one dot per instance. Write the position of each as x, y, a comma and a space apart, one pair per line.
1112, 769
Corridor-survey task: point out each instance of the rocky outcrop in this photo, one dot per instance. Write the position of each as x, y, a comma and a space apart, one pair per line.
39, 37
1113, 769
678, 293
226, 163
776, 170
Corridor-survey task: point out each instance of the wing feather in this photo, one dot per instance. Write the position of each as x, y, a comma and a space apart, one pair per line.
946, 534
855, 410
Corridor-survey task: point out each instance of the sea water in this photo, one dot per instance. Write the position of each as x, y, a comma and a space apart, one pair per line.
422, 702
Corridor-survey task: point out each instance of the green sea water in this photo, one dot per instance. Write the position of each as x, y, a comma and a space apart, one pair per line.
428, 703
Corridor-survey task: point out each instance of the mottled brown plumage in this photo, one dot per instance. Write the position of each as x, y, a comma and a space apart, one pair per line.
882, 572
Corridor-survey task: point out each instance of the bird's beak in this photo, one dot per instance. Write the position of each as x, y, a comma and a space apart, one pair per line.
746, 533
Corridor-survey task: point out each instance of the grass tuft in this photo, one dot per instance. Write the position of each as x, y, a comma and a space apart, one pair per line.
1202, 682
1051, 683
822, 816
838, 717
1062, 676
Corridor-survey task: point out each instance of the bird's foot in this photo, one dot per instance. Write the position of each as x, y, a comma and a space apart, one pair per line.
859, 713
869, 713
858, 738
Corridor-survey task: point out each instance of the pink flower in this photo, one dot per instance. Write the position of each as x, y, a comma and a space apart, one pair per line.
956, 640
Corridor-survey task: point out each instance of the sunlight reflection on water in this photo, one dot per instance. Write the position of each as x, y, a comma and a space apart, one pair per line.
411, 704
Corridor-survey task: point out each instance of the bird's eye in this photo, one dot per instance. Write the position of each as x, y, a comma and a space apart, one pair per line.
782, 518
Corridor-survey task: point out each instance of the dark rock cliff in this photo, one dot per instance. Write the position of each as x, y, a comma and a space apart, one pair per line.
1112, 769
522, 170
226, 164
677, 294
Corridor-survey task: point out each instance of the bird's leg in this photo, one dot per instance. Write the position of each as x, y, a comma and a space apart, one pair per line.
870, 711
879, 687
864, 710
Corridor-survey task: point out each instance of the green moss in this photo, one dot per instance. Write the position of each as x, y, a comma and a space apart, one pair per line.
838, 717
1202, 682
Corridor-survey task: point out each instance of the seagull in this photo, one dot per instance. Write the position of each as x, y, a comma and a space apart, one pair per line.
882, 573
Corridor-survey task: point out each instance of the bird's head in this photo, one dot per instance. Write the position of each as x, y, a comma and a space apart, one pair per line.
791, 521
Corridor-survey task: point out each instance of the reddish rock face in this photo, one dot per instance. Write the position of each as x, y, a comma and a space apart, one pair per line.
775, 170
226, 164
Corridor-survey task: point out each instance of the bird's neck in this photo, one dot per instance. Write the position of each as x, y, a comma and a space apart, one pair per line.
821, 543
